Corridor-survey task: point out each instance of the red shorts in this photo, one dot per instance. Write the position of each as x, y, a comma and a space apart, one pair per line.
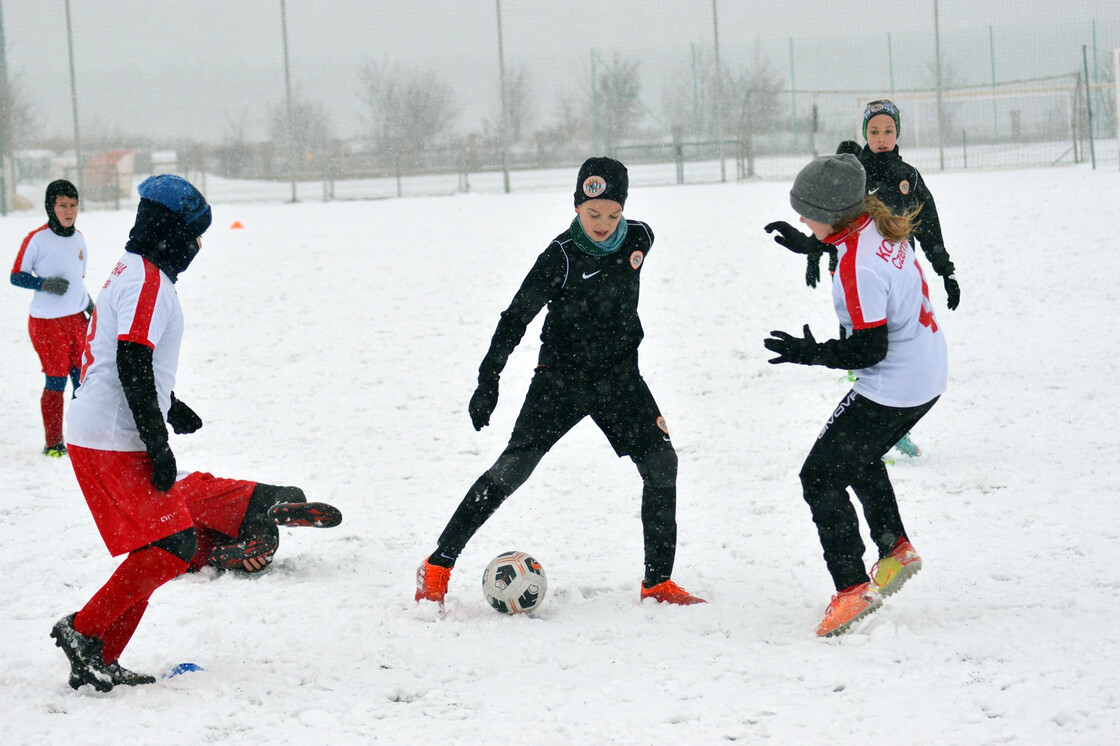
59, 342
130, 513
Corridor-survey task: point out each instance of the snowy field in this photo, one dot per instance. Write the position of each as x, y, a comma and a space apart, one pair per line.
335, 346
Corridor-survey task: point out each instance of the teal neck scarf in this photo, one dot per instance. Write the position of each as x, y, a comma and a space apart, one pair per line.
593, 248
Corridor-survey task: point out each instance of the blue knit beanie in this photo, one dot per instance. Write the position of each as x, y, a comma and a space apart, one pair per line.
178, 195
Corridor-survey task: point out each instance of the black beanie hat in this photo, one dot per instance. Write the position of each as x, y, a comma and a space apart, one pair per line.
883, 106
602, 178
830, 189
56, 189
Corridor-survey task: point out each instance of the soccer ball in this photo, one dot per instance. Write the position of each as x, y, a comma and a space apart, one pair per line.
514, 583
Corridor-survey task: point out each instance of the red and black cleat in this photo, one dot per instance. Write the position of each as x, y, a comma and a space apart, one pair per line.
319, 515
260, 543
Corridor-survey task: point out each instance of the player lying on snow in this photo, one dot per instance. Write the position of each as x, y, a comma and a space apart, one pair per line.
118, 446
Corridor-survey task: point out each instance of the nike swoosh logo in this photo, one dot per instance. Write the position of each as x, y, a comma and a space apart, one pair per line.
591, 274
874, 190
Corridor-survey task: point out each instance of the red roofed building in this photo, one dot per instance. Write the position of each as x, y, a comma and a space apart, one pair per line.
108, 175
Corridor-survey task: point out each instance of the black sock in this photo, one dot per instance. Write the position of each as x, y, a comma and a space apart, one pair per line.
439, 559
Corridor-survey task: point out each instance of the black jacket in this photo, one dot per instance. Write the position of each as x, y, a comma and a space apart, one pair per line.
592, 322
900, 187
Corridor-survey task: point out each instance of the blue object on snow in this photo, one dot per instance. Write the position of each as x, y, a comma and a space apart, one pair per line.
184, 668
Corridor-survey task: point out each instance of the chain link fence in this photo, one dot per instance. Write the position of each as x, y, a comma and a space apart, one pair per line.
363, 99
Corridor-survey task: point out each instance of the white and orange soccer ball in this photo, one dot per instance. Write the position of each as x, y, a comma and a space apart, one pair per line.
514, 583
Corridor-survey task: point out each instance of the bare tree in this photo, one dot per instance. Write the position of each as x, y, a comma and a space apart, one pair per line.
750, 99
618, 102
408, 111
310, 135
20, 120
519, 102
570, 138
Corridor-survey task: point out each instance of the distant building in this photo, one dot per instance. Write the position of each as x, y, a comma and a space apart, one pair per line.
164, 162
108, 175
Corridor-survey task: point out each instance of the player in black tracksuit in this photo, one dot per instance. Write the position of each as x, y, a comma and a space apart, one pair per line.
900, 187
588, 366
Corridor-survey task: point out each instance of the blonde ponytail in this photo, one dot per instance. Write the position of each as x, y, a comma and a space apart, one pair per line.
893, 227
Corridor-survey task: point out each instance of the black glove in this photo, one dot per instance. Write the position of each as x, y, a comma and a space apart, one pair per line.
849, 146
163, 467
792, 349
182, 418
793, 239
483, 401
799, 243
953, 292
55, 285
813, 269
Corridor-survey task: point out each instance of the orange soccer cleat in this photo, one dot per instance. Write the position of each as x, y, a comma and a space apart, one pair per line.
668, 592
431, 582
890, 572
848, 607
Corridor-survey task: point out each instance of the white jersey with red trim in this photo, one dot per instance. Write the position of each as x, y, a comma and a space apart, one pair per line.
138, 303
44, 253
878, 282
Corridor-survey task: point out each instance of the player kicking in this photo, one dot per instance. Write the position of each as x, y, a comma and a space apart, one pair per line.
118, 446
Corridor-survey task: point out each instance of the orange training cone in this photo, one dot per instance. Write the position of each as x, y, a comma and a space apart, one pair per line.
236, 225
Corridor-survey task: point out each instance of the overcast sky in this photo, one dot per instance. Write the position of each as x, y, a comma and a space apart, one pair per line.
204, 68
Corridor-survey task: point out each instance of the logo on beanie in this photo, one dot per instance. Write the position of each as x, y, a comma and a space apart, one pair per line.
904, 186
636, 259
593, 186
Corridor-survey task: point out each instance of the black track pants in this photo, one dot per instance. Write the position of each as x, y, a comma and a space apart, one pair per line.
621, 405
848, 453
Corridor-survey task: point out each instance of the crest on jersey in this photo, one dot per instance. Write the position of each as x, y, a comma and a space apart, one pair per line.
904, 186
593, 186
636, 259
81, 255
662, 425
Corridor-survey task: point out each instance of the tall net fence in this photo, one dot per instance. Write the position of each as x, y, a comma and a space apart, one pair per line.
361, 99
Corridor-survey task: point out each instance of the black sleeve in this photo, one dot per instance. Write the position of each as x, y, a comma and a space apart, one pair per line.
929, 229
134, 367
531, 297
862, 349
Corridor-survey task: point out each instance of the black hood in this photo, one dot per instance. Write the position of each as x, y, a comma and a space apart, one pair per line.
161, 237
56, 189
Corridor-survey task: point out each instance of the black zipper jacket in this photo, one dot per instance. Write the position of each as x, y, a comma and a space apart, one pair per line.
900, 187
592, 322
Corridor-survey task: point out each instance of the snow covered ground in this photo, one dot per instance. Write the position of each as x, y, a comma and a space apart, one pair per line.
334, 346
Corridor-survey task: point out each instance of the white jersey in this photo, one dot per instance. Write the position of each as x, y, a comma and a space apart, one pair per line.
44, 253
138, 303
878, 282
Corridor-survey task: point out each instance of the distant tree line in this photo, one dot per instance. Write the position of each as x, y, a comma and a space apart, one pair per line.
409, 122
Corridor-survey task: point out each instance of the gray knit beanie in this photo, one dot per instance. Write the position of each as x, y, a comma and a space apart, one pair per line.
830, 189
